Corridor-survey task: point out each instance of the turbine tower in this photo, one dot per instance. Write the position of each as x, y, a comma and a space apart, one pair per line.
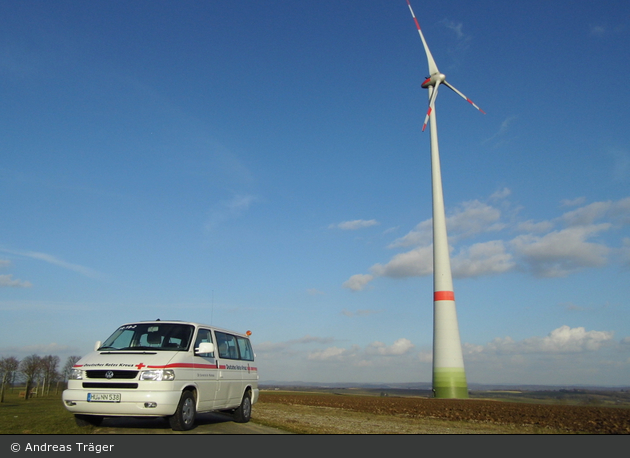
449, 375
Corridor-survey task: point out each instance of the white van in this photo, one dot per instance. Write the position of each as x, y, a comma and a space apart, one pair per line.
170, 369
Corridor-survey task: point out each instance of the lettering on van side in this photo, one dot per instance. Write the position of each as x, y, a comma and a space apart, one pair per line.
236, 367
239, 367
108, 365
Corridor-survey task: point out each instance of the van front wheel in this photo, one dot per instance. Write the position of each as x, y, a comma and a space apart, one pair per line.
243, 413
184, 417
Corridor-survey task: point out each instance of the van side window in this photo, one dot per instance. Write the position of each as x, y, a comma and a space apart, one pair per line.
227, 345
204, 335
245, 348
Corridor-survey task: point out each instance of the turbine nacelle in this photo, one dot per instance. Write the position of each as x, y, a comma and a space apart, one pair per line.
434, 80
436, 77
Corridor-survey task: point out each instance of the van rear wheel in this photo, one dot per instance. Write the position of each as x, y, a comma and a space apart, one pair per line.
243, 413
184, 417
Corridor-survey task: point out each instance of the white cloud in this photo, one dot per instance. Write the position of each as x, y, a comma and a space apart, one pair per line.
503, 129
561, 340
625, 252
354, 225
363, 357
7, 281
422, 234
573, 202
588, 214
400, 347
501, 194
228, 209
479, 259
597, 30
539, 250
560, 253
455, 27
472, 218
86, 271
469, 219
531, 226
482, 259
330, 353
354, 355
240, 203
414, 263
618, 212
425, 356
463, 40
358, 282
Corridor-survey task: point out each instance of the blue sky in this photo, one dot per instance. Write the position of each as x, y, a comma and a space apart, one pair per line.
260, 165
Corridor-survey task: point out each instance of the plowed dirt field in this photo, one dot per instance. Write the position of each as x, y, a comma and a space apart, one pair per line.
531, 418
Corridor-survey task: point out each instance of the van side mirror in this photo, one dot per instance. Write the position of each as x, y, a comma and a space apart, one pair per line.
205, 347
97, 345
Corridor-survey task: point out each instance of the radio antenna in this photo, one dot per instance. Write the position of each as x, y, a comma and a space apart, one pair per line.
212, 308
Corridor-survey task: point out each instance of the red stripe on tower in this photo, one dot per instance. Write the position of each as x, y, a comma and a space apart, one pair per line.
444, 296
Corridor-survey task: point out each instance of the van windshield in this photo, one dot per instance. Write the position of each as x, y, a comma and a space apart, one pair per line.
150, 336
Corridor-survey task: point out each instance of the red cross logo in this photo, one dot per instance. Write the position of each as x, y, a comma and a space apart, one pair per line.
140, 366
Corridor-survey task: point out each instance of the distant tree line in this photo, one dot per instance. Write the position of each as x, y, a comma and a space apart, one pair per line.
37, 373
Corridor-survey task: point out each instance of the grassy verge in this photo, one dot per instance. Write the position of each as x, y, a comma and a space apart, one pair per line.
39, 415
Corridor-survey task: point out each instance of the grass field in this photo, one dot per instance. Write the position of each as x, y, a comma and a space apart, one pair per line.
38, 415
369, 412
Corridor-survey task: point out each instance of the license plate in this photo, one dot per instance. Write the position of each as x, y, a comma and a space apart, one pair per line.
103, 397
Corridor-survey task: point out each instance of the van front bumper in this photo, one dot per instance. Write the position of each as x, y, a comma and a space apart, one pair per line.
132, 403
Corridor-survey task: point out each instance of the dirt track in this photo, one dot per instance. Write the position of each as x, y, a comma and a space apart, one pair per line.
563, 418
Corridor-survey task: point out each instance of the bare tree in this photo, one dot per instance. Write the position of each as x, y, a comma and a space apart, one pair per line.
49, 366
70, 362
31, 367
8, 367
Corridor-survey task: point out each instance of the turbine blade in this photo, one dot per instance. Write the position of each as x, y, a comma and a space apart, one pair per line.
434, 90
432, 66
463, 96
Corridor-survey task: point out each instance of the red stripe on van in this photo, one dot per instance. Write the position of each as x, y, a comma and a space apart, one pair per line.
185, 366
195, 366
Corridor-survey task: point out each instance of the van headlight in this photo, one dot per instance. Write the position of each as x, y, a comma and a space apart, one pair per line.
75, 374
158, 375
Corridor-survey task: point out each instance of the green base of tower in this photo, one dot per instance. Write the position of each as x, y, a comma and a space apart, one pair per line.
450, 383
457, 392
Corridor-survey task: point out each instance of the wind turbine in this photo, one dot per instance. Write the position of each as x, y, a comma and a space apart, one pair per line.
449, 375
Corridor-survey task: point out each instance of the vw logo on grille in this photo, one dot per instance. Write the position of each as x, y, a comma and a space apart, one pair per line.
109, 374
